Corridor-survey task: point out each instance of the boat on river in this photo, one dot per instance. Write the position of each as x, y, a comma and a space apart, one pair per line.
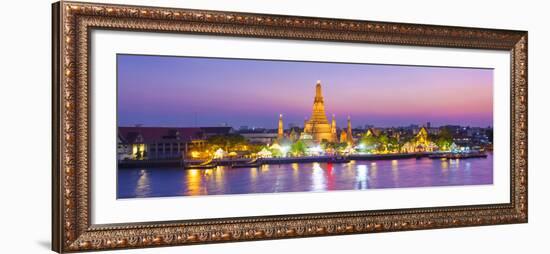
458, 155
204, 165
254, 163
339, 159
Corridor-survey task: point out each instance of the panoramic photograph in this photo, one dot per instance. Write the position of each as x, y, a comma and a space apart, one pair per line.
196, 126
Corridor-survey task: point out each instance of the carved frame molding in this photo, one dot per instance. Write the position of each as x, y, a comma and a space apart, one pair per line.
71, 226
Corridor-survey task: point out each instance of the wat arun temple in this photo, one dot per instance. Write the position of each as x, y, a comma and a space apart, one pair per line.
317, 128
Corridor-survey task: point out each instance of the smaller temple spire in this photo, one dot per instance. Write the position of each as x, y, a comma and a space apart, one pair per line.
349, 133
280, 130
333, 124
343, 137
333, 128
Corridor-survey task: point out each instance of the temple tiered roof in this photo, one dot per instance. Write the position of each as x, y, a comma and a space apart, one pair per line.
318, 127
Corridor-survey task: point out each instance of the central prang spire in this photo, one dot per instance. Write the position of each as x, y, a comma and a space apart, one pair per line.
318, 92
318, 115
317, 127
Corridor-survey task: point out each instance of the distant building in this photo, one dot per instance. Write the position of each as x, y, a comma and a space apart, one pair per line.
260, 137
453, 129
294, 134
124, 149
433, 131
162, 142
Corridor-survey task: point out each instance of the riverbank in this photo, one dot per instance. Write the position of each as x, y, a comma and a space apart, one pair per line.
241, 161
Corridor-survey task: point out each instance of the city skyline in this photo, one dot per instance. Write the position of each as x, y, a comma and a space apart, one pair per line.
154, 91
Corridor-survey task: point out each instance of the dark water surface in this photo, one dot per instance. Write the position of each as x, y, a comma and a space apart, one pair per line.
304, 177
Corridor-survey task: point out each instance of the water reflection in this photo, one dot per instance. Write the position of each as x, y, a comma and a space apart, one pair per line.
454, 163
373, 169
143, 187
253, 174
318, 178
194, 182
445, 168
304, 177
468, 167
395, 172
444, 164
295, 173
361, 177
351, 164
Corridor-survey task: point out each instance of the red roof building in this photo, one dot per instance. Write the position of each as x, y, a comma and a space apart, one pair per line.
162, 142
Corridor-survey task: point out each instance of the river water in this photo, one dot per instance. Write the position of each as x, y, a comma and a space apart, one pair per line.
304, 177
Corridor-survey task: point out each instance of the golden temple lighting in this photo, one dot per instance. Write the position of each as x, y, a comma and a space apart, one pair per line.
317, 127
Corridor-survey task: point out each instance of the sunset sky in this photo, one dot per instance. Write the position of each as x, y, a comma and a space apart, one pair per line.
184, 91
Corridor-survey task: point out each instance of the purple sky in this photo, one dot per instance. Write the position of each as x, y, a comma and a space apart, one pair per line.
184, 91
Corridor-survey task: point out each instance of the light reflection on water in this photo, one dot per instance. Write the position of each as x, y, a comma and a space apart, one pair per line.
304, 177
193, 180
395, 172
361, 177
318, 178
143, 188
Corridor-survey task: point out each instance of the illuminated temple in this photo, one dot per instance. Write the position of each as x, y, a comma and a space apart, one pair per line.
420, 143
317, 127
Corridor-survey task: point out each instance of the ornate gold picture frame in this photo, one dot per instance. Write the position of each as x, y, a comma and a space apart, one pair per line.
72, 229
